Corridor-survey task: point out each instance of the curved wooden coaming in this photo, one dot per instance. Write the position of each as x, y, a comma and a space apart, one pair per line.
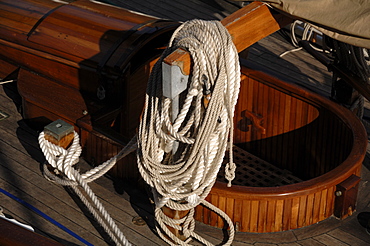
272, 209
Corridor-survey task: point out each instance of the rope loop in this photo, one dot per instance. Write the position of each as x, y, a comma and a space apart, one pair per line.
63, 160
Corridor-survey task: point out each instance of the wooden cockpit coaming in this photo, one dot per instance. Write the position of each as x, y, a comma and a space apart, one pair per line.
301, 135
306, 134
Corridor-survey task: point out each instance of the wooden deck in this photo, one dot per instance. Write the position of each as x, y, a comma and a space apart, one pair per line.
21, 176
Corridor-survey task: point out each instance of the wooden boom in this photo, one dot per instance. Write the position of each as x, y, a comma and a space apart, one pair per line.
246, 26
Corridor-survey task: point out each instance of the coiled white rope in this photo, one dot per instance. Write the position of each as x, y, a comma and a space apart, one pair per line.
183, 179
63, 160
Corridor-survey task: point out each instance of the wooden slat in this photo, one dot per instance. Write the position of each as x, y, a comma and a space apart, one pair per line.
295, 213
214, 216
279, 215
222, 206
249, 99
206, 213
326, 141
333, 148
330, 201
309, 210
302, 211
323, 204
316, 207
287, 212
229, 207
262, 216
238, 214
276, 108
254, 216
286, 139
246, 215
270, 220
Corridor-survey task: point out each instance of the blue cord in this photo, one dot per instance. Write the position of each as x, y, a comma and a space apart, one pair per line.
45, 216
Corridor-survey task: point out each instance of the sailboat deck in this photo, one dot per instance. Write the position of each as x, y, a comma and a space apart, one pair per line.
55, 212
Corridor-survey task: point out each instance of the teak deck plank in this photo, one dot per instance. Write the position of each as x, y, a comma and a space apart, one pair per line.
348, 238
329, 240
310, 242
23, 177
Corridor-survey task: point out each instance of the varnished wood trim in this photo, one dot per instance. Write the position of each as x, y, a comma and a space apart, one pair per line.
246, 26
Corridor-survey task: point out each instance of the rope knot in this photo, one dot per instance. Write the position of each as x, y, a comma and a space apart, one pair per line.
193, 200
230, 172
63, 160
59, 158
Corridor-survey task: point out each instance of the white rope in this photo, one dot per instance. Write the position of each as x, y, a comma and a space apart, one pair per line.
307, 33
183, 179
63, 161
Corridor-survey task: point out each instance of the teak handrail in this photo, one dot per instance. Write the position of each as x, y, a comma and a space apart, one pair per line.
246, 26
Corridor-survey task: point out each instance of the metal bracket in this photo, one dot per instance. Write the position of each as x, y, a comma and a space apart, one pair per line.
174, 82
346, 197
58, 129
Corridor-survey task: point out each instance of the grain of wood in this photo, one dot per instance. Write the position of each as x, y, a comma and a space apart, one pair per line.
347, 238
265, 244
289, 244
329, 240
310, 242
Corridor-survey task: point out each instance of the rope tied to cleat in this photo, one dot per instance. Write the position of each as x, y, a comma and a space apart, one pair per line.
179, 155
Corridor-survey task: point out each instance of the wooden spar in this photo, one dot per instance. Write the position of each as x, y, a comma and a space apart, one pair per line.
246, 26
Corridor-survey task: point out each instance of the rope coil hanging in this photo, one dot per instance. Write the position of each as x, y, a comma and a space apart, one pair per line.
180, 180
183, 178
